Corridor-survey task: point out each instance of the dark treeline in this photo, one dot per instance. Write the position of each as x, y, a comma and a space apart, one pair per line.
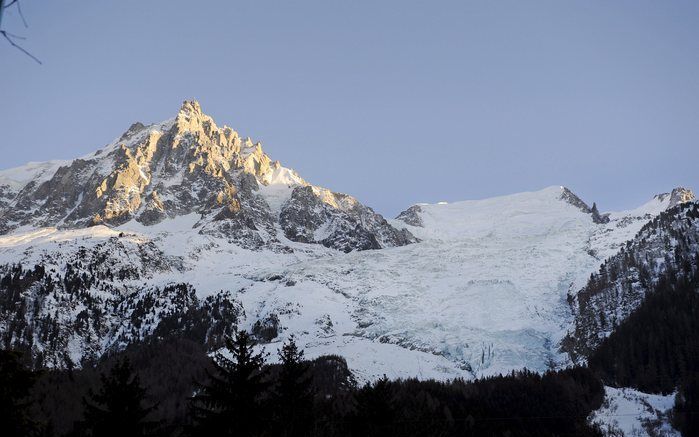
172, 388
657, 346
656, 349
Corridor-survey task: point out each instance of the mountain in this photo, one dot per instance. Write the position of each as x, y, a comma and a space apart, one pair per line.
188, 165
184, 228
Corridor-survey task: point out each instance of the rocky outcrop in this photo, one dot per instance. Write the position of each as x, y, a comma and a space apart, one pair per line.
411, 216
677, 196
597, 217
573, 199
316, 215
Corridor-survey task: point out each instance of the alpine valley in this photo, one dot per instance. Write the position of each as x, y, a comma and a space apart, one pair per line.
185, 227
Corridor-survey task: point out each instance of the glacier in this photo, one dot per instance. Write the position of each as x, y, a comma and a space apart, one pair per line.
462, 289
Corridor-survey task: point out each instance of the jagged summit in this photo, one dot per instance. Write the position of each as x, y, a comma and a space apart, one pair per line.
190, 165
191, 107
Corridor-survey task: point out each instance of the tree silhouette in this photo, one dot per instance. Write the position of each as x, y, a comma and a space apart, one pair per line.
231, 401
16, 382
117, 409
293, 394
376, 408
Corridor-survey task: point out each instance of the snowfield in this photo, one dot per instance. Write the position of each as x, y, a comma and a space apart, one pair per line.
484, 291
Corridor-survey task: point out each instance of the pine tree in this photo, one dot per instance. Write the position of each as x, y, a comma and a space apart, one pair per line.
117, 409
293, 393
230, 403
16, 382
375, 408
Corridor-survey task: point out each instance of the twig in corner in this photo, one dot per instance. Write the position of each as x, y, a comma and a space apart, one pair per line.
17, 46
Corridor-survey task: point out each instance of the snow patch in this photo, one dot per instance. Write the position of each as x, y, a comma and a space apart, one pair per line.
635, 413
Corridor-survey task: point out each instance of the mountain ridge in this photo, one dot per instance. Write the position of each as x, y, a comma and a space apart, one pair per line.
198, 223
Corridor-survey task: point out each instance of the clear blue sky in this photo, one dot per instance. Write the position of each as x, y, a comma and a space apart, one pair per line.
394, 102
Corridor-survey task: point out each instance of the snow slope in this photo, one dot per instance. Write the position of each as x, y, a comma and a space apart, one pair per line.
483, 292
33, 171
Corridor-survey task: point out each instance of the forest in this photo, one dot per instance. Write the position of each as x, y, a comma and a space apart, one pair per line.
173, 388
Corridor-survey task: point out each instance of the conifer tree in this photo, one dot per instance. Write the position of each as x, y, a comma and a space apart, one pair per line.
293, 393
117, 408
230, 403
375, 408
16, 382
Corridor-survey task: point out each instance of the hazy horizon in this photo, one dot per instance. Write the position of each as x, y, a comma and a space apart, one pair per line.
394, 103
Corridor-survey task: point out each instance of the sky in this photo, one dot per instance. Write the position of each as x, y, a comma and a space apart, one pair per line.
394, 102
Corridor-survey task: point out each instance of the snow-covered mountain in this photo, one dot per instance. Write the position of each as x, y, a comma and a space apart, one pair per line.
188, 165
184, 227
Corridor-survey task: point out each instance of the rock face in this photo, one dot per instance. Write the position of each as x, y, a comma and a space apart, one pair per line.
680, 195
411, 216
667, 244
188, 165
316, 215
574, 200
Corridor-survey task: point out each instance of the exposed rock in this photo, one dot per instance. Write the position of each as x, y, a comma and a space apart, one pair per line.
680, 195
266, 329
574, 200
316, 215
597, 217
411, 216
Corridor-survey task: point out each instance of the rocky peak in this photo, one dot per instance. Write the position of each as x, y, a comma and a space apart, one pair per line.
190, 165
189, 108
190, 119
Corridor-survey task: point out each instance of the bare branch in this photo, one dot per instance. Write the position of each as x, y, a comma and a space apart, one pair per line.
15, 36
9, 36
15, 45
19, 9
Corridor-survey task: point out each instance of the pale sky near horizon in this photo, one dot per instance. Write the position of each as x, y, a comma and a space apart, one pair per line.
394, 102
